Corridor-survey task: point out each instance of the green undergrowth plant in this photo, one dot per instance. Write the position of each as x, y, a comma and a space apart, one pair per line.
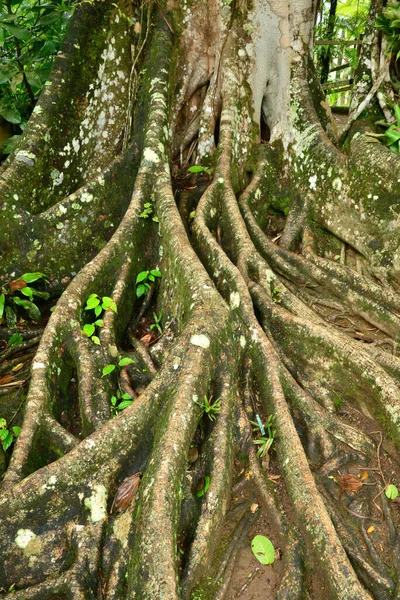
210, 408
267, 437
205, 484
157, 322
21, 294
147, 212
7, 434
199, 169
389, 23
119, 402
391, 137
122, 363
144, 281
98, 305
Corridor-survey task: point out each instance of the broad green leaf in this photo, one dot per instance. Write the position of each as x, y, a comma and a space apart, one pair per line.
109, 304
98, 310
99, 322
126, 397
7, 441
3, 434
113, 401
151, 277
142, 276
15, 339
391, 491
27, 291
124, 404
155, 273
141, 290
3, 424
11, 115
196, 169
30, 277
17, 32
95, 340
2, 303
16, 431
392, 135
30, 308
125, 361
11, 317
397, 113
92, 302
263, 549
88, 329
108, 369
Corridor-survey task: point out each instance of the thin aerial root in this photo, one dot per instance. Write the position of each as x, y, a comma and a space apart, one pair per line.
144, 355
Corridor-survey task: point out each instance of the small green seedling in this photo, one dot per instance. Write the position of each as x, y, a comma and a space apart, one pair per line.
122, 363
11, 301
209, 408
199, 169
205, 487
144, 280
267, 438
147, 212
276, 295
97, 305
7, 436
157, 322
119, 402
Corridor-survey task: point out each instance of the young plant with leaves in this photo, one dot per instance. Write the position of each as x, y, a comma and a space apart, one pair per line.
98, 305
19, 294
144, 281
7, 434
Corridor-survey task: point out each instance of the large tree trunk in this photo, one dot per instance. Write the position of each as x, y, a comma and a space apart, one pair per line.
279, 285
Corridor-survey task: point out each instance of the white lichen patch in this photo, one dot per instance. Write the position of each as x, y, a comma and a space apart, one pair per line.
242, 341
200, 340
38, 365
337, 184
313, 182
24, 536
86, 197
234, 300
150, 156
97, 503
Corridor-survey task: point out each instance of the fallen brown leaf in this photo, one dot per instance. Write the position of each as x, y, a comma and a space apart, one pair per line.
146, 339
126, 492
18, 284
17, 367
370, 529
364, 475
193, 455
349, 482
6, 379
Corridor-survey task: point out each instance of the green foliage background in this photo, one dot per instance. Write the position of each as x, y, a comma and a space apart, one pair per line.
31, 33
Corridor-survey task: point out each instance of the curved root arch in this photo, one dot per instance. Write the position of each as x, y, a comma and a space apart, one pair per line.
250, 328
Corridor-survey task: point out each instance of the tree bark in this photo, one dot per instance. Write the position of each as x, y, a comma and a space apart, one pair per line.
278, 296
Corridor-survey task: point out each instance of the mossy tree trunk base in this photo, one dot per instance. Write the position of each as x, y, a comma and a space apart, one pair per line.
279, 296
